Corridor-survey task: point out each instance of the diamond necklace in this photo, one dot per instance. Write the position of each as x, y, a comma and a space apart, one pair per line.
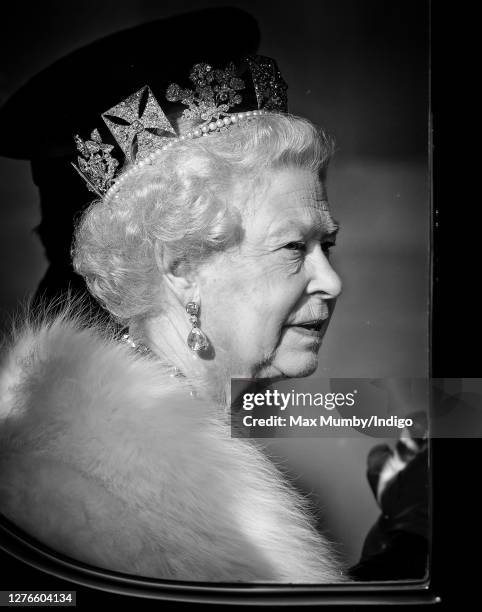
142, 349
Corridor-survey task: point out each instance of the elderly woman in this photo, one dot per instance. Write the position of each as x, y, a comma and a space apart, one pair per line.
212, 248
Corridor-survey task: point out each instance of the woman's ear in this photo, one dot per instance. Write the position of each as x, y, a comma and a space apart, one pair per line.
178, 277
182, 286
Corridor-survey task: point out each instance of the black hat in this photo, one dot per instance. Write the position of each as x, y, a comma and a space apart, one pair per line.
40, 120
69, 96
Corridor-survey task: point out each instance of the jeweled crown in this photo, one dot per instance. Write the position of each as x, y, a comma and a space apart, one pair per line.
142, 129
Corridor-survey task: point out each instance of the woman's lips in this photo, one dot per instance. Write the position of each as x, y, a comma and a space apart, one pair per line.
313, 328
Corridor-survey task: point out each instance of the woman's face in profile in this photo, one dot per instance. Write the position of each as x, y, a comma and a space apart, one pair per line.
266, 304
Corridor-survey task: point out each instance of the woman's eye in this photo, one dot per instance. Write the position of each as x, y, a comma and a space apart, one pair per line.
295, 246
301, 246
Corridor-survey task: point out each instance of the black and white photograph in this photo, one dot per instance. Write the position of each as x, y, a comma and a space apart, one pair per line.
209, 210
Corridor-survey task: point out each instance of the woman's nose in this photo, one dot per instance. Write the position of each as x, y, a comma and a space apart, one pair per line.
324, 279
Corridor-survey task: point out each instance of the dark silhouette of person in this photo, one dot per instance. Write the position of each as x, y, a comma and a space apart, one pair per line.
40, 120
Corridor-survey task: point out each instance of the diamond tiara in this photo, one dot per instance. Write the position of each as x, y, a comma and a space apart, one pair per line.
142, 130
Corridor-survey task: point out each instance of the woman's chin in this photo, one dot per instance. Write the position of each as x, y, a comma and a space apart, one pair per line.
298, 364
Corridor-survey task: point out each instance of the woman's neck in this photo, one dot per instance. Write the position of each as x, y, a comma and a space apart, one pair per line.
166, 336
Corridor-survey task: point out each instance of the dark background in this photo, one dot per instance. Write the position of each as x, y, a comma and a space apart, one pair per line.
360, 69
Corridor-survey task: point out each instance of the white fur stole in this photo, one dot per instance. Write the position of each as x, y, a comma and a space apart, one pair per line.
106, 458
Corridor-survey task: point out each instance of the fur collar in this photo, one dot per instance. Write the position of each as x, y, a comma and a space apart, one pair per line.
108, 459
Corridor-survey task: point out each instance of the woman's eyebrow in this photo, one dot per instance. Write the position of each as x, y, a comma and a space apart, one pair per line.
327, 227
333, 229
